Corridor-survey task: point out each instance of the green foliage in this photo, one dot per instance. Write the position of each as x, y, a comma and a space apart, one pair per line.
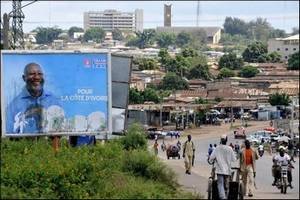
200, 71
138, 97
164, 58
274, 57
248, 71
258, 29
253, 51
172, 81
225, 73
200, 100
183, 39
279, 99
293, 61
47, 35
135, 97
145, 63
74, 29
235, 26
141, 164
135, 138
117, 35
231, 61
164, 40
189, 52
30, 169
96, 34
143, 39
151, 94
180, 65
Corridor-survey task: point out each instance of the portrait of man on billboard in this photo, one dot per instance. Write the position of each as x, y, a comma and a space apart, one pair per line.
34, 109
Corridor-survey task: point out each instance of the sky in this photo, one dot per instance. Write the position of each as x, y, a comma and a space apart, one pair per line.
64, 14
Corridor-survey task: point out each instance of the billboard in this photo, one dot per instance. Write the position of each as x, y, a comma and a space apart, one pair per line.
55, 93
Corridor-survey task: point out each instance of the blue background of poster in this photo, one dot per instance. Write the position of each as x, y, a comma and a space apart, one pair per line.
64, 74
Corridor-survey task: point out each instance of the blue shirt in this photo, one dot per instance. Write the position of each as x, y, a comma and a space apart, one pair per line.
24, 114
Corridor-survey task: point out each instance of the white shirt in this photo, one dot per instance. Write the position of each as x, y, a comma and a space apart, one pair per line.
284, 160
224, 156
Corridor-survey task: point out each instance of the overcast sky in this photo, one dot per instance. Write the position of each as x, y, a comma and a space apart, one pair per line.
64, 14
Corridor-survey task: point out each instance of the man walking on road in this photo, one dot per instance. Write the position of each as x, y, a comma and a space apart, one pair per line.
248, 157
224, 157
188, 153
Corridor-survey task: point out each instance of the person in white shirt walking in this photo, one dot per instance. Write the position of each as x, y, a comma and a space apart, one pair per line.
188, 154
224, 156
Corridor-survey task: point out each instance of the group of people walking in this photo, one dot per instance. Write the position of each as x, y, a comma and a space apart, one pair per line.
224, 156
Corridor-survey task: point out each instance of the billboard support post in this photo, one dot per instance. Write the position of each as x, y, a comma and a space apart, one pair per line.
55, 144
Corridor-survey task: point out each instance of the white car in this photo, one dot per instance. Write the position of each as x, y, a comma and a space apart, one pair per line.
253, 139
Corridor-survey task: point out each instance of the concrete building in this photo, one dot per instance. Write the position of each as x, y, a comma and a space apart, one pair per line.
284, 46
113, 19
213, 33
167, 15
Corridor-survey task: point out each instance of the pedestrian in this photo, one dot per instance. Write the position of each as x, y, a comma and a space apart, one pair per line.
248, 157
214, 147
210, 149
188, 154
237, 147
231, 145
155, 146
224, 156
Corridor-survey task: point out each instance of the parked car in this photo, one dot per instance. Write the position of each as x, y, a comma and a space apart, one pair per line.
154, 133
253, 139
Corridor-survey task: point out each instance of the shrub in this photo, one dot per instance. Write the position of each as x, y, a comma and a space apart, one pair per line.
135, 138
31, 169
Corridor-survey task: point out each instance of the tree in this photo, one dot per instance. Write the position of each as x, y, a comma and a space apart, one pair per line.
225, 73
96, 34
189, 52
274, 57
47, 35
172, 81
253, 51
151, 95
180, 65
248, 71
183, 39
74, 29
164, 40
279, 99
145, 63
135, 96
235, 26
200, 100
200, 71
164, 58
231, 61
145, 38
117, 34
293, 61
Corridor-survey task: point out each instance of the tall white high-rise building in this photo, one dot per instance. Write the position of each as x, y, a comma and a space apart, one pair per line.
113, 19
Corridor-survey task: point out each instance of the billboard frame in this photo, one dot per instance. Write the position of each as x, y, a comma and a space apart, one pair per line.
104, 134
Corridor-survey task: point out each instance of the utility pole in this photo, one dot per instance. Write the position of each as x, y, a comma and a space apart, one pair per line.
198, 12
17, 24
5, 31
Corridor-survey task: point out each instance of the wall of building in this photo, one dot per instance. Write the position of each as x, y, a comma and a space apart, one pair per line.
284, 47
113, 19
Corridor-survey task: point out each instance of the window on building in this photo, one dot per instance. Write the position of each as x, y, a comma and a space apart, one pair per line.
294, 49
285, 57
286, 49
278, 49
